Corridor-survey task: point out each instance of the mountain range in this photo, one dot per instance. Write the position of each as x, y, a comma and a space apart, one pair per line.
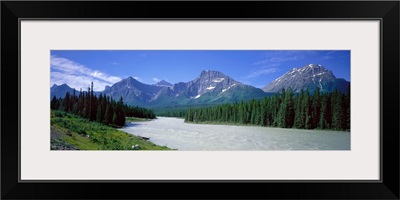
214, 87
309, 77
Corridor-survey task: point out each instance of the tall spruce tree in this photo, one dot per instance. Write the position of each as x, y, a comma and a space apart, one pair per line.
299, 112
316, 109
337, 110
347, 107
306, 105
289, 117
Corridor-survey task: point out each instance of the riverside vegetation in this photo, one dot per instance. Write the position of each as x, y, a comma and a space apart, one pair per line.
284, 110
69, 131
87, 122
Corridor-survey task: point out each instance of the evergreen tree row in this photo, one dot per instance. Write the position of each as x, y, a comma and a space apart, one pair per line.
285, 110
178, 113
102, 109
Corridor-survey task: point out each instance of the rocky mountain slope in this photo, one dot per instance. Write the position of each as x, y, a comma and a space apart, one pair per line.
309, 77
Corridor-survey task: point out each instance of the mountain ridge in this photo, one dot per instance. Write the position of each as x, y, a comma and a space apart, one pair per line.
164, 83
214, 87
309, 77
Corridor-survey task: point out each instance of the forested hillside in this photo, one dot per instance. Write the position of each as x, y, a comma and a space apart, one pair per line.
285, 110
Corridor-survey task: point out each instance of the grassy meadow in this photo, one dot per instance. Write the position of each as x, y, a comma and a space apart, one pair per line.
70, 132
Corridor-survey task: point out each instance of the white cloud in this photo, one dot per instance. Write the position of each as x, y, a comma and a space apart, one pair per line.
114, 63
263, 70
272, 61
280, 57
78, 76
105, 77
77, 82
156, 80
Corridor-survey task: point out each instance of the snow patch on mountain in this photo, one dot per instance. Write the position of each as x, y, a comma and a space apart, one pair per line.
210, 87
229, 87
218, 80
196, 97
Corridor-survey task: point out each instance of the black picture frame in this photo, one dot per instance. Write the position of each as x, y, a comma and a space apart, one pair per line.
386, 11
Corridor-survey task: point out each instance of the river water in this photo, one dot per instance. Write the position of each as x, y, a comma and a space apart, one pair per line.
176, 134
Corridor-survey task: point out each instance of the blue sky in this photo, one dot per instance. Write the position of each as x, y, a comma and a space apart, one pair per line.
78, 68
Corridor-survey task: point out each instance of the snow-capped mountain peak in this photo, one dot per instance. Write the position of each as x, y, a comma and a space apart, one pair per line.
210, 81
309, 77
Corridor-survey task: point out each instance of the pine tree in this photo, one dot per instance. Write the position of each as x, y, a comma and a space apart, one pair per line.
307, 110
93, 104
99, 117
263, 112
241, 113
347, 107
289, 117
115, 119
299, 112
316, 109
107, 116
324, 112
281, 118
86, 108
187, 117
81, 102
269, 112
53, 104
66, 102
337, 110
75, 109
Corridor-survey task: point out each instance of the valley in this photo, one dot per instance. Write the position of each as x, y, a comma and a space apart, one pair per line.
306, 108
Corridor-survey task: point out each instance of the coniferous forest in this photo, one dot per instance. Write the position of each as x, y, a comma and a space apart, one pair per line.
102, 109
285, 110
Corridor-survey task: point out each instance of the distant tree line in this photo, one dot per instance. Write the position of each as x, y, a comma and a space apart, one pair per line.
178, 113
285, 110
102, 109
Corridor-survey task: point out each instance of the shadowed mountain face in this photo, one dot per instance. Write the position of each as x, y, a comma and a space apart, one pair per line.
60, 90
132, 91
309, 77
